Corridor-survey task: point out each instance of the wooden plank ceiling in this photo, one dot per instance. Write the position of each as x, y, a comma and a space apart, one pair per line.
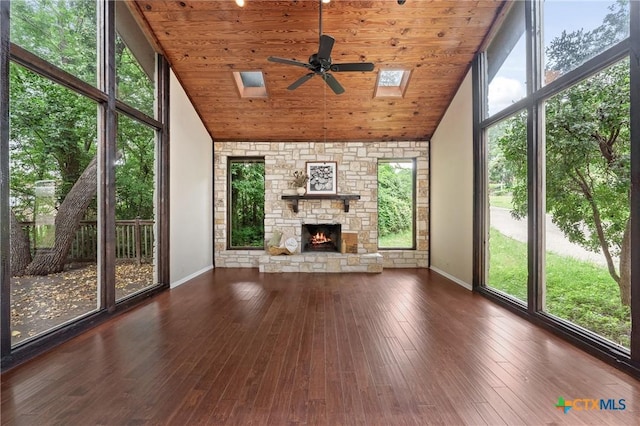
205, 41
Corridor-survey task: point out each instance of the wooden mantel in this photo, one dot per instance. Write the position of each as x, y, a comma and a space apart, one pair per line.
345, 198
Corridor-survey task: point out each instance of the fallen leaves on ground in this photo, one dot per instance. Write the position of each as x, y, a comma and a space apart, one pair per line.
39, 303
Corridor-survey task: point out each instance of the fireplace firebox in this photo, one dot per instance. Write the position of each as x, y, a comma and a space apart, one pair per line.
323, 237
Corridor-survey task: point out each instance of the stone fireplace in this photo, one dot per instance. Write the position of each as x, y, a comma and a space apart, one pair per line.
357, 174
321, 237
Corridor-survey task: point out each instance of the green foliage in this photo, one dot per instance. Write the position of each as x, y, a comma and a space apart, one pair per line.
247, 203
53, 136
588, 157
134, 86
53, 132
248, 236
580, 292
512, 147
62, 32
501, 176
135, 175
395, 199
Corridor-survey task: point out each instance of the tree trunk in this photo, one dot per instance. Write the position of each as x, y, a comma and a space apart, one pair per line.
19, 241
625, 266
67, 221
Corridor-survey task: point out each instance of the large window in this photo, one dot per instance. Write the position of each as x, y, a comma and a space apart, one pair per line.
83, 200
560, 171
246, 203
396, 203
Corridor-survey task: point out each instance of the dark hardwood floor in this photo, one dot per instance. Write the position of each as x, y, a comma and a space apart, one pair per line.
238, 347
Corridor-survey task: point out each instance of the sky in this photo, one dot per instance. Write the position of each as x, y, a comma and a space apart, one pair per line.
509, 84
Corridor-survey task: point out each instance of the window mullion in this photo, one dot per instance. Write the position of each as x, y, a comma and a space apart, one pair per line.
535, 159
5, 272
162, 114
107, 156
634, 65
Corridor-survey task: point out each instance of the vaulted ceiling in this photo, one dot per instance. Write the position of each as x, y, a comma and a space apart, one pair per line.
206, 41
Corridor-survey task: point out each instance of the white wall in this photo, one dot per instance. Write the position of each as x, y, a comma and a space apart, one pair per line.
191, 190
452, 190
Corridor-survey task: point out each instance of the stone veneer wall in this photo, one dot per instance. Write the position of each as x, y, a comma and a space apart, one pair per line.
357, 174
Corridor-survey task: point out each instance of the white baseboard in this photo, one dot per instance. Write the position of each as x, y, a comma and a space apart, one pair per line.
452, 278
190, 276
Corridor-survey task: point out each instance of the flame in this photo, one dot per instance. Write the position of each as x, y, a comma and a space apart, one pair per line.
319, 238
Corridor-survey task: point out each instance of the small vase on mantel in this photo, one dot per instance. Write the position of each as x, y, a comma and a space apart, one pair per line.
301, 190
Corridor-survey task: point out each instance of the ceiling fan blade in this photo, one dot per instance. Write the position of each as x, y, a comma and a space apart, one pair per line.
287, 61
356, 66
326, 45
333, 83
299, 81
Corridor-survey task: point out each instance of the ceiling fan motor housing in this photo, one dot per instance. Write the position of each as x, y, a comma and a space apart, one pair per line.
319, 65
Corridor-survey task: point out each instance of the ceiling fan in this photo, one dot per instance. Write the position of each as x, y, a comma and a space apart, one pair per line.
320, 63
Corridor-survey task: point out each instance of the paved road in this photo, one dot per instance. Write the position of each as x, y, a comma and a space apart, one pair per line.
502, 220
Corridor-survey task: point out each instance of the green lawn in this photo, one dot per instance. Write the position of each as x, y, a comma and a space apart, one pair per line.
403, 239
577, 291
501, 201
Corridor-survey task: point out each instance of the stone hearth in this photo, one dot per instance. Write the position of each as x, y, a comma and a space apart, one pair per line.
322, 262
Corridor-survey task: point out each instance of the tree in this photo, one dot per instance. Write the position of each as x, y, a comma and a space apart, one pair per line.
587, 150
70, 213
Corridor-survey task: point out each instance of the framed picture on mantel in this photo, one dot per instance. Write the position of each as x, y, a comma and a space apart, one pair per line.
323, 177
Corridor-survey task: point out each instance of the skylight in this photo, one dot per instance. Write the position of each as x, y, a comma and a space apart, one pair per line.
390, 78
250, 84
392, 83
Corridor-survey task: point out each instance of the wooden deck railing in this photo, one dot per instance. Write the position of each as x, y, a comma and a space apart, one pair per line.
134, 240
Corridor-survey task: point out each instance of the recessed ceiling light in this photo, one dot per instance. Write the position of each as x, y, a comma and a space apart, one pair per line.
240, 3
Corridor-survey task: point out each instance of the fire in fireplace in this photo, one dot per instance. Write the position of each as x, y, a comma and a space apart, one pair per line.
321, 237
